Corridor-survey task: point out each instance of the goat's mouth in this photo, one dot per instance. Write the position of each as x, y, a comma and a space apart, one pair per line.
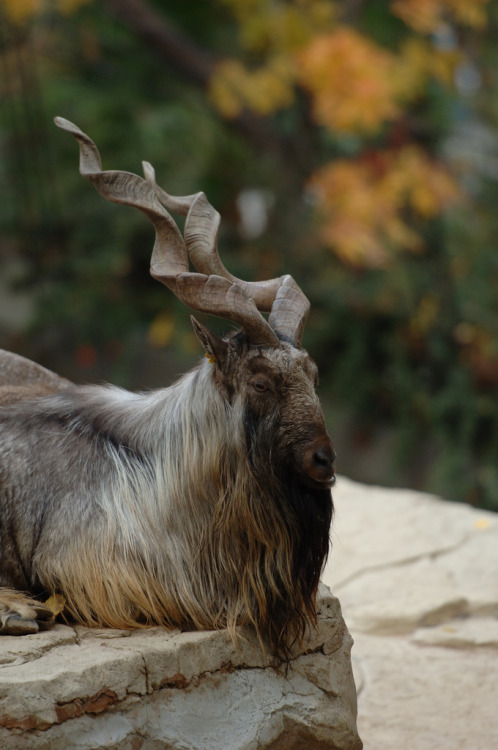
318, 484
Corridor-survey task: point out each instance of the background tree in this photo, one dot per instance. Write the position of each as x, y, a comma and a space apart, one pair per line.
352, 144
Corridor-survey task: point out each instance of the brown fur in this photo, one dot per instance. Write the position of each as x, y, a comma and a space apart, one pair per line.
194, 506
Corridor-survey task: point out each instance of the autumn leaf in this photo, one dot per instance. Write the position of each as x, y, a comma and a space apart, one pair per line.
161, 330
264, 90
350, 79
425, 16
55, 604
20, 11
480, 524
419, 60
363, 202
272, 27
67, 7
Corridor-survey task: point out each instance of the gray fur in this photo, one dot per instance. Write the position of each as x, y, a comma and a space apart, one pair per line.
114, 499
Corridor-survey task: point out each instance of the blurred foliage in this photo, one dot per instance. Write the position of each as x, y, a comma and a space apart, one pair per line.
352, 144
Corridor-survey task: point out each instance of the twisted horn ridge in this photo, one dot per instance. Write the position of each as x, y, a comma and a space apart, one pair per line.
213, 289
281, 297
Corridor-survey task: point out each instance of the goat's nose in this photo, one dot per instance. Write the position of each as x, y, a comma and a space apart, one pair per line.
317, 462
323, 460
318, 465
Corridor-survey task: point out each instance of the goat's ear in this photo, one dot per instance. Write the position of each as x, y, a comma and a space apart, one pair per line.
216, 348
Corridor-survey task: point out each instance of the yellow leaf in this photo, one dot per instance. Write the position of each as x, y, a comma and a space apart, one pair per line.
19, 11
363, 202
264, 90
161, 330
421, 15
225, 88
55, 604
350, 79
481, 524
66, 7
269, 27
469, 13
426, 16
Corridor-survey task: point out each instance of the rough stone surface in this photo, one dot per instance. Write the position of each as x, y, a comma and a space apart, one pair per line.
418, 583
417, 578
152, 689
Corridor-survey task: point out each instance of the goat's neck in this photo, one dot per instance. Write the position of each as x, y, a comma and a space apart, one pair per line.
187, 425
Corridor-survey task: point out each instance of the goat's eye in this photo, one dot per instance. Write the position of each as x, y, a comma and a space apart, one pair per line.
259, 386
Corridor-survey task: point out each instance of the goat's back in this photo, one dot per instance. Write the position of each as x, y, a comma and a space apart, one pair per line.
21, 379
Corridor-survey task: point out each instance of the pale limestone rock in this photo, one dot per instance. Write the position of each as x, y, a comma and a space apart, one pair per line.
413, 582
418, 582
397, 600
426, 698
475, 572
15, 651
469, 632
375, 527
79, 688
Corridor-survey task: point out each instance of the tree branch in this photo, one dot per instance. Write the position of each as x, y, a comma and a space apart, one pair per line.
152, 27
197, 65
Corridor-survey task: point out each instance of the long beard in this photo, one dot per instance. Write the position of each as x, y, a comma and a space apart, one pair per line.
269, 540
306, 515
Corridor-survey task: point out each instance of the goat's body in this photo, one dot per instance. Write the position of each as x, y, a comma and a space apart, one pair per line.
150, 508
22, 380
94, 480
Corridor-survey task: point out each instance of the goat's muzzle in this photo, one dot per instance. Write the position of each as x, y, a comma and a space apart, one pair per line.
318, 464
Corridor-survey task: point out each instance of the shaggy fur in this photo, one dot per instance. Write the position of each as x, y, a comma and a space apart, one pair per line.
191, 506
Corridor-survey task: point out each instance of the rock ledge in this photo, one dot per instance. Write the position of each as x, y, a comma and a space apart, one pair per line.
80, 688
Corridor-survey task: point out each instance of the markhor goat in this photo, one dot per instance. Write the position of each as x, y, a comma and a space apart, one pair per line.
203, 505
